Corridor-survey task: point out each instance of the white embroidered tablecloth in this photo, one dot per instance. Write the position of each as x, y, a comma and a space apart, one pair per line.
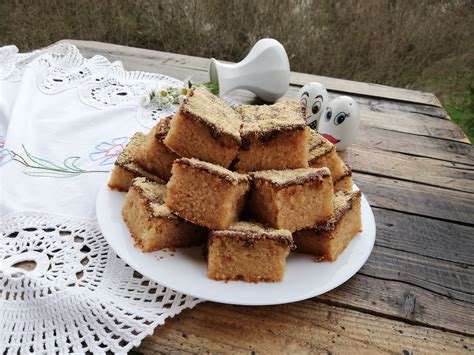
63, 121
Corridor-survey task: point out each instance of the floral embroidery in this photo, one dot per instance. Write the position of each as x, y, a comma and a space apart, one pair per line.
106, 152
39, 167
5, 155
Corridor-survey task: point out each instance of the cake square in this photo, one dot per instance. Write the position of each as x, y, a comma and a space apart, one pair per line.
205, 193
126, 167
205, 128
329, 240
322, 153
153, 154
248, 251
151, 223
344, 183
291, 199
273, 137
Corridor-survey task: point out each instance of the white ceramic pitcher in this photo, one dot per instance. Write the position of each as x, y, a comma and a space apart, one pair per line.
265, 71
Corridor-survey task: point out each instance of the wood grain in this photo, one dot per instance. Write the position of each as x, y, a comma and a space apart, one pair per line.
414, 123
424, 236
402, 301
406, 167
304, 327
399, 142
428, 201
445, 278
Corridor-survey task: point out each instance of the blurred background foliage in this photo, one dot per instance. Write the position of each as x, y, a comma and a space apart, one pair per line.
423, 45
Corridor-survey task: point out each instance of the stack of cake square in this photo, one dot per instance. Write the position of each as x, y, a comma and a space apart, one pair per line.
253, 182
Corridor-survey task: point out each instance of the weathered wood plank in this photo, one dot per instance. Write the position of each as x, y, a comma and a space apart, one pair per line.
414, 123
442, 277
415, 145
416, 198
402, 301
424, 236
304, 327
406, 167
421, 146
202, 64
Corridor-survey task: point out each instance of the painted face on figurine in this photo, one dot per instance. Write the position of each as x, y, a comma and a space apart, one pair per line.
314, 98
340, 122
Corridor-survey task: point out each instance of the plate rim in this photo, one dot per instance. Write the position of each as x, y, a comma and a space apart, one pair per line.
104, 189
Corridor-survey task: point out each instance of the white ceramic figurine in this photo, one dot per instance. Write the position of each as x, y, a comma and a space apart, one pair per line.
265, 71
314, 97
340, 122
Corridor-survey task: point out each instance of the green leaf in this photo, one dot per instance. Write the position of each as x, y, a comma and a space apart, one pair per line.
70, 164
42, 162
212, 86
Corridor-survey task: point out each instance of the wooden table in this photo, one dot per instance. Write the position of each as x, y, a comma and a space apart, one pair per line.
415, 293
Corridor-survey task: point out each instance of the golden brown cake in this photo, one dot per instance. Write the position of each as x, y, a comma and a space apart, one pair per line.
322, 153
328, 241
291, 199
153, 155
248, 251
205, 193
205, 128
151, 223
126, 168
273, 137
345, 182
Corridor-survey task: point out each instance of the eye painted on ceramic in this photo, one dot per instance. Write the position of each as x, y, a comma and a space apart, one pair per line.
328, 114
316, 107
317, 104
304, 98
340, 117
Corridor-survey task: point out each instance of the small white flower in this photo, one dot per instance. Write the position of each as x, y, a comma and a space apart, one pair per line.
145, 100
181, 98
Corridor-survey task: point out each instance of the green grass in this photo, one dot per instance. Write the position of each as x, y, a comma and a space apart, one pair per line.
460, 107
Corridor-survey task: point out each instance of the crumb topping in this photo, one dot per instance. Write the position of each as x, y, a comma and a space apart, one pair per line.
318, 146
126, 159
214, 169
283, 178
128, 154
342, 201
150, 190
160, 210
162, 128
264, 119
255, 231
154, 194
212, 111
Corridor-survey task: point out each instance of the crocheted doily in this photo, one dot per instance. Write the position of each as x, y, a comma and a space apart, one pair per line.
100, 83
79, 296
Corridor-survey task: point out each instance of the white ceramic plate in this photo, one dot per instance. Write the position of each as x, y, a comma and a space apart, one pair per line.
186, 270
